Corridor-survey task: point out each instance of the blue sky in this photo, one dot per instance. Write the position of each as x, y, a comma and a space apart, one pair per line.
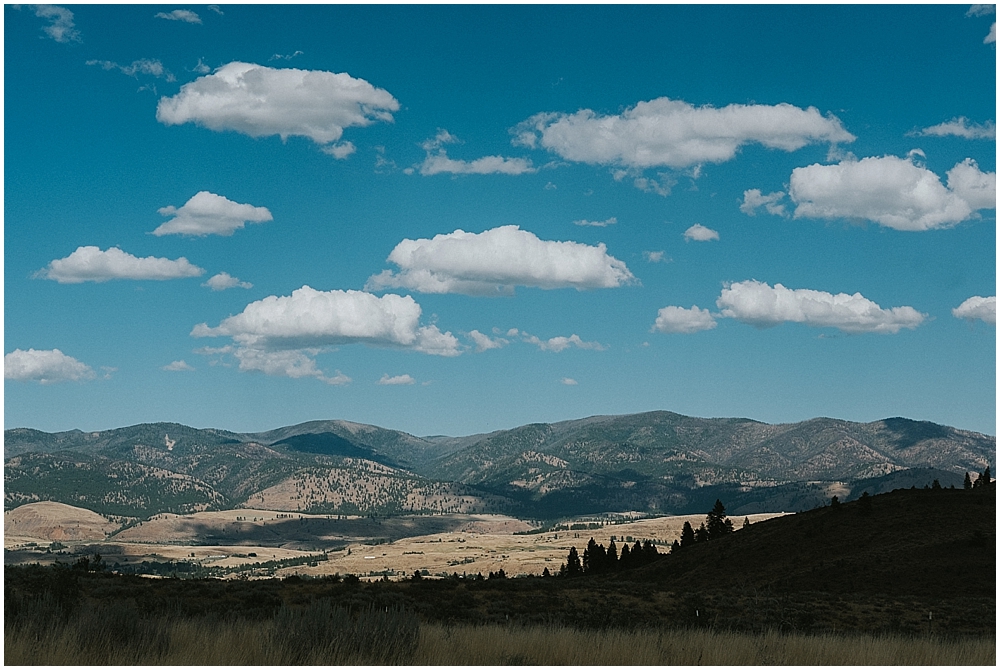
450, 220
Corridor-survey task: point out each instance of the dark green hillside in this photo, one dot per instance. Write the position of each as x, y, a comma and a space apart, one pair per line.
106, 486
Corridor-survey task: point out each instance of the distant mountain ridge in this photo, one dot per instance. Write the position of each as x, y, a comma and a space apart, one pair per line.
651, 462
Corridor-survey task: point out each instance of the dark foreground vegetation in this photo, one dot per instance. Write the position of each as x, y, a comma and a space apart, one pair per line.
912, 568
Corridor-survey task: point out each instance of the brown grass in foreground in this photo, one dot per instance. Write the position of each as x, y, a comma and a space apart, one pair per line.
101, 635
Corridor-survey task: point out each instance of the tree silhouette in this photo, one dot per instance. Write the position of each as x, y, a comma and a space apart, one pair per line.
746, 522
701, 535
573, 567
687, 535
967, 485
716, 522
625, 560
611, 562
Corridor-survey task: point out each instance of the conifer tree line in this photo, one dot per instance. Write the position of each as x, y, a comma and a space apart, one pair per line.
597, 559
983, 481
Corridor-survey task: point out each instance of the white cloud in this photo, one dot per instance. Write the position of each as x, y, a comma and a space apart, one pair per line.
597, 224
210, 214
679, 320
224, 280
753, 198
215, 8
286, 56
485, 342
340, 151
282, 335
201, 68
676, 134
977, 307
700, 233
185, 15
398, 380
656, 256
991, 37
260, 101
568, 381
561, 343
761, 305
495, 261
981, 10
439, 163
295, 363
177, 366
153, 68
662, 187
46, 366
61, 27
92, 264
961, 127
894, 192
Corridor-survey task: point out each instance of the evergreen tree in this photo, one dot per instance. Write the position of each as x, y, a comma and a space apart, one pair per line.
687, 535
625, 560
936, 485
983, 480
835, 502
701, 535
573, 567
612, 559
715, 522
546, 573
967, 485
746, 522
637, 553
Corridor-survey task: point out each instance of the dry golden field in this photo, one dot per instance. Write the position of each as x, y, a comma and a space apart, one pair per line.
447, 543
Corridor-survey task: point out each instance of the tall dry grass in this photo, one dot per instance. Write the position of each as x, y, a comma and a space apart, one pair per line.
45, 634
553, 645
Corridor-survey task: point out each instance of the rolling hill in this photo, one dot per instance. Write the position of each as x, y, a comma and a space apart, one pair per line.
658, 462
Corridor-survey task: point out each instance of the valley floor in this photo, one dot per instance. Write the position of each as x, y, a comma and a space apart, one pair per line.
251, 542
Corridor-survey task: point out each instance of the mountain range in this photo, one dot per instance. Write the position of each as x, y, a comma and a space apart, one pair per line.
655, 462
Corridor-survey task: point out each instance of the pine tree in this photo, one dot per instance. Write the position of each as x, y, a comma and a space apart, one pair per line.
746, 522
687, 535
715, 522
675, 546
625, 560
701, 535
967, 485
612, 558
573, 567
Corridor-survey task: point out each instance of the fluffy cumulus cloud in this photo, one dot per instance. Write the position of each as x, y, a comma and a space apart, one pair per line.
281, 335
61, 27
92, 264
977, 307
177, 366
261, 101
398, 380
495, 261
699, 233
224, 280
893, 192
961, 127
680, 320
46, 366
762, 305
185, 15
754, 199
656, 256
210, 214
676, 134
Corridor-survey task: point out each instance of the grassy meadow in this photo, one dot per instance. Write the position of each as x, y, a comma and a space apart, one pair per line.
43, 634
